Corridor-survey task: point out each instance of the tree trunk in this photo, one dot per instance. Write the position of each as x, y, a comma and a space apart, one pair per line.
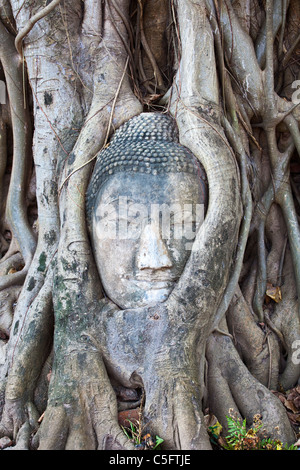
226, 337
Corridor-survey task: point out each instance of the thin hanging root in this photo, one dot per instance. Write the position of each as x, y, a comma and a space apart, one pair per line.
245, 226
14, 263
125, 21
107, 132
157, 74
271, 195
65, 23
283, 24
279, 189
236, 110
16, 279
274, 329
124, 40
7, 17
31, 22
138, 63
289, 53
12, 250
279, 11
279, 163
293, 128
282, 258
262, 271
286, 202
16, 210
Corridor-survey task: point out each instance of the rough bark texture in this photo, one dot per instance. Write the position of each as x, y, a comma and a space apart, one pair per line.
74, 73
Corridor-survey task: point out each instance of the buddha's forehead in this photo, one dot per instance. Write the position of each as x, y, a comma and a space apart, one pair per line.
148, 188
145, 160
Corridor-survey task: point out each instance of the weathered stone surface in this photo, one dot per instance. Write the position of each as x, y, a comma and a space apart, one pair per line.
142, 207
5, 442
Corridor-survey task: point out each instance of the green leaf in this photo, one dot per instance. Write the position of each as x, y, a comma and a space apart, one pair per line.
158, 441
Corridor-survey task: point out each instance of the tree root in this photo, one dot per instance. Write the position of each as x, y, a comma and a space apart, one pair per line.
230, 384
16, 211
35, 346
64, 425
173, 411
8, 300
237, 145
28, 27
82, 406
250, 341
63, 421
285, 318
159, 83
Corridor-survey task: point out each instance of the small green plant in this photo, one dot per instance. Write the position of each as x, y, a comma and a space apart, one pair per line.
241, 438
132, 433
135, 432
158, 441
140, 440
237, 433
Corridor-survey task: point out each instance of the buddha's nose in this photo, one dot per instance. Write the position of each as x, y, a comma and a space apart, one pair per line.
153, 253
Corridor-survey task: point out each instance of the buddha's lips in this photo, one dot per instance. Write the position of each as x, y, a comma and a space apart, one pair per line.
153, 284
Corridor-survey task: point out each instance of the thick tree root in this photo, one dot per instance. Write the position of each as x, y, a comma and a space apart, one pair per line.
16, 210
259, 349
82, 410
232, 387
173, 411
167, 362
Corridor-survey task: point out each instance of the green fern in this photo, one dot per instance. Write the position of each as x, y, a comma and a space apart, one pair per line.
237, 431
239, 438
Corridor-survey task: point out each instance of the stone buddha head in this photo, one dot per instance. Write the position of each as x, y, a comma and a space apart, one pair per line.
145, 203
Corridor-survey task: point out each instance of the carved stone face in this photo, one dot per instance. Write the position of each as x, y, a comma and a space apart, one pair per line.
143, 226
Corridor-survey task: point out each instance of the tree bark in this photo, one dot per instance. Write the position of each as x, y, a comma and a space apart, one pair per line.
219, 341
